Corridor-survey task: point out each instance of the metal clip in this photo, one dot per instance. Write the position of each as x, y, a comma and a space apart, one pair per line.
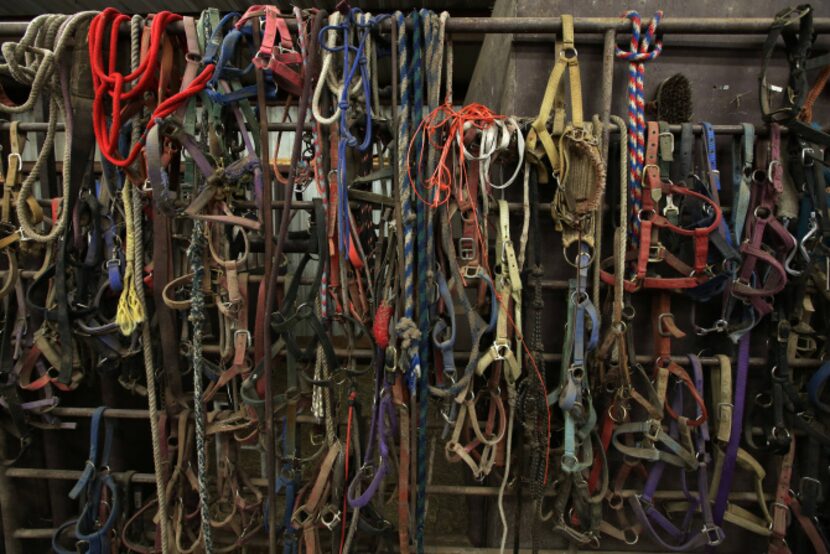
671, 211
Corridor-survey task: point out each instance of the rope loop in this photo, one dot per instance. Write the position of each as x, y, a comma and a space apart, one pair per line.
651, 45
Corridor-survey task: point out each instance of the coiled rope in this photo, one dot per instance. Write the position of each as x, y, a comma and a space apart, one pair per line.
33, 62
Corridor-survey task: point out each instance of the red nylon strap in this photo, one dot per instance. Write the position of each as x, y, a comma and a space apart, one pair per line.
605, 440
648, 213
403, 464
701, 241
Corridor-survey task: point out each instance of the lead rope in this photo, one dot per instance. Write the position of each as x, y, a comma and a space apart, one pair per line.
434, 39
130, 311
637, 56
406, 327
44, 78
147, 346
195, 258
146, 338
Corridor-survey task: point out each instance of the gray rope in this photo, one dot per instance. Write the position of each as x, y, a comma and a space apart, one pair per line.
150, 372
146, 339
32, 62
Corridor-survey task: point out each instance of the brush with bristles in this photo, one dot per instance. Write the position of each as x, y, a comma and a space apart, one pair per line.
673, 100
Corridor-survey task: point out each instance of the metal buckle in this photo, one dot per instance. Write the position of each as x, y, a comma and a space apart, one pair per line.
19, 160
654, 430
245, 332
471, 271
671, 136
466, 248
655, 253
301, 516
714, 534
500, 348
329, 517
576, 373
568, 463
804, 156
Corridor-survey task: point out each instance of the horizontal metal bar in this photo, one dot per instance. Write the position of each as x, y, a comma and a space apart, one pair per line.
686, 25
42, 126
530, 25
366, 354
449, 490
132, 413
136, 413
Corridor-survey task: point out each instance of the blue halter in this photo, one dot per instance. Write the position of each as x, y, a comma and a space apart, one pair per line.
354, 61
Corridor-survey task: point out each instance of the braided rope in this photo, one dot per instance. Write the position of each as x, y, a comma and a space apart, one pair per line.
640, 52
196, 317
150, 373
407, 322
146, 339
620, 236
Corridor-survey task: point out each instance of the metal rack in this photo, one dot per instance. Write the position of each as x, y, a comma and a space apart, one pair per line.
610, 28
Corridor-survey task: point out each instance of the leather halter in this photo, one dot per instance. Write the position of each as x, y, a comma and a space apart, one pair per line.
799, 43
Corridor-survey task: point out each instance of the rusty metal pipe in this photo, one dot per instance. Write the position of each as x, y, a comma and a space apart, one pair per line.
40, 127
531, 25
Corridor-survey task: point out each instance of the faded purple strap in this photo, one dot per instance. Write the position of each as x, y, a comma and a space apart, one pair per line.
710, 533
728, 472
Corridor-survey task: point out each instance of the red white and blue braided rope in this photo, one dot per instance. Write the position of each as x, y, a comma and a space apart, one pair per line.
639, 53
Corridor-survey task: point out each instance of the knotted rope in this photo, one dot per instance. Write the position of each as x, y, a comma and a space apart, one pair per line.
640, 52
130, 311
